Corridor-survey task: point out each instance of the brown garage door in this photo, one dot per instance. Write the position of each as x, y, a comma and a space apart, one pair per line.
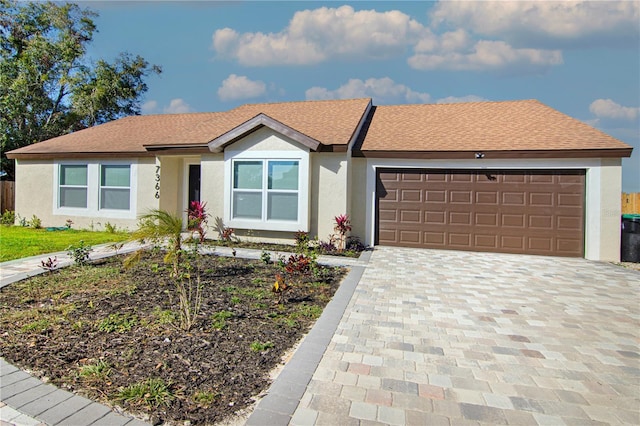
533, 212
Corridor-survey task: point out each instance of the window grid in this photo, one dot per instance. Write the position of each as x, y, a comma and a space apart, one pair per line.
70, 188
266, 193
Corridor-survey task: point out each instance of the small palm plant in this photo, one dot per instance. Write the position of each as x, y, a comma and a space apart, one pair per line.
157, 225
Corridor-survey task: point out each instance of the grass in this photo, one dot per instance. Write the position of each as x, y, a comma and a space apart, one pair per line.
17, 241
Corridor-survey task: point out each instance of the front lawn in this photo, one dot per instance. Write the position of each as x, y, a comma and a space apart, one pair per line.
115, 334
17, 241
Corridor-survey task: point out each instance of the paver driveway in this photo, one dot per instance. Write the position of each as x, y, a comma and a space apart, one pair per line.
441, 337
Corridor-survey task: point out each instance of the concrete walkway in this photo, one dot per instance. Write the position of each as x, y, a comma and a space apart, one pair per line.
424, 337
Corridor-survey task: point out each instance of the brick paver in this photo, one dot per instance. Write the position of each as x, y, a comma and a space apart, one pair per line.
482, 338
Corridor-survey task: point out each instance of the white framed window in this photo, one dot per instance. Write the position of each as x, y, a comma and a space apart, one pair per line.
72, 186
115, 186
95, 189
267, 190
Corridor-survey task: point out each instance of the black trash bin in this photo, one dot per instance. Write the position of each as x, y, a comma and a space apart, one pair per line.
630, 241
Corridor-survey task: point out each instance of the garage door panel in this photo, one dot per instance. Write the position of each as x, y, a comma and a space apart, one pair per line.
410, 216
486, 241
460, 240
435, 218
541, 199
434, 238
486, 219
410, 195
569, 200
538, 212
540, 222
514, 198
436, 196
490, 198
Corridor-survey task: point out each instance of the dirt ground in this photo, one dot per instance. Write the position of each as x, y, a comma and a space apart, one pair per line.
114, 335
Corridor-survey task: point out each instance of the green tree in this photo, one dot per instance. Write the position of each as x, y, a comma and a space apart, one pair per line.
48, 86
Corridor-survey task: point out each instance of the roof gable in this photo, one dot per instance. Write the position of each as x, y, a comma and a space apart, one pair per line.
261, 120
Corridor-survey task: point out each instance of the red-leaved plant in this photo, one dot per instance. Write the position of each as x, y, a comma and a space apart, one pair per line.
197, 218
342, 226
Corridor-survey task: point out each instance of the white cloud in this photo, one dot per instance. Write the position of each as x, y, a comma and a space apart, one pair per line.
314, 36
237, 87
457, 100
542, 23
177, 106
149, 107
487, 55
382, 90
606, 108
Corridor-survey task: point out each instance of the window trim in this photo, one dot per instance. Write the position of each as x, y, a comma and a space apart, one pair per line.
60, 186
302, 224
101, 167
94, 188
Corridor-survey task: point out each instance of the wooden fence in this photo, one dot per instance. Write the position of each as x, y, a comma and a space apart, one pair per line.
7, 196
631, 203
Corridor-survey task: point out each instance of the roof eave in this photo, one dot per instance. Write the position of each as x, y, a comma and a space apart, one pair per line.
507, 154
76, 155
261, 120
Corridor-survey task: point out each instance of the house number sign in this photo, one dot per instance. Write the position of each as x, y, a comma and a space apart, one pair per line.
157, 182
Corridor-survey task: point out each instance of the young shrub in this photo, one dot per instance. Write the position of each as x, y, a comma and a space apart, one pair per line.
302, 241
8, 217
342, 226
197, 218
279, 288
35, 222
79, 253
109, 228
49, 265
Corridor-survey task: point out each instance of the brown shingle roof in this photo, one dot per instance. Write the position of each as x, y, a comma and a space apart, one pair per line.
478, 126
329, 122
481, 126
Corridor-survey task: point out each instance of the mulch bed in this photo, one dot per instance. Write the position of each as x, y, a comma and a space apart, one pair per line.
60, 326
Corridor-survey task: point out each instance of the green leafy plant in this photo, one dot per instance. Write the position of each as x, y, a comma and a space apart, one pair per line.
302, 241
265, 256
35, 222
8, 217
117, 322
95, 372
111, 229
259, 347
219, 319
79, 253
152, 392
40, 326
204, 398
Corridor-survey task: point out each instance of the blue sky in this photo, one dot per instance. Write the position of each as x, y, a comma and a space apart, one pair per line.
582, 58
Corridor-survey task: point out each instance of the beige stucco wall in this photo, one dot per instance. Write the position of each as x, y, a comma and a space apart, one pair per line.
37, 177
171, 171
34, 191
358, 197
329, 189
212, 189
